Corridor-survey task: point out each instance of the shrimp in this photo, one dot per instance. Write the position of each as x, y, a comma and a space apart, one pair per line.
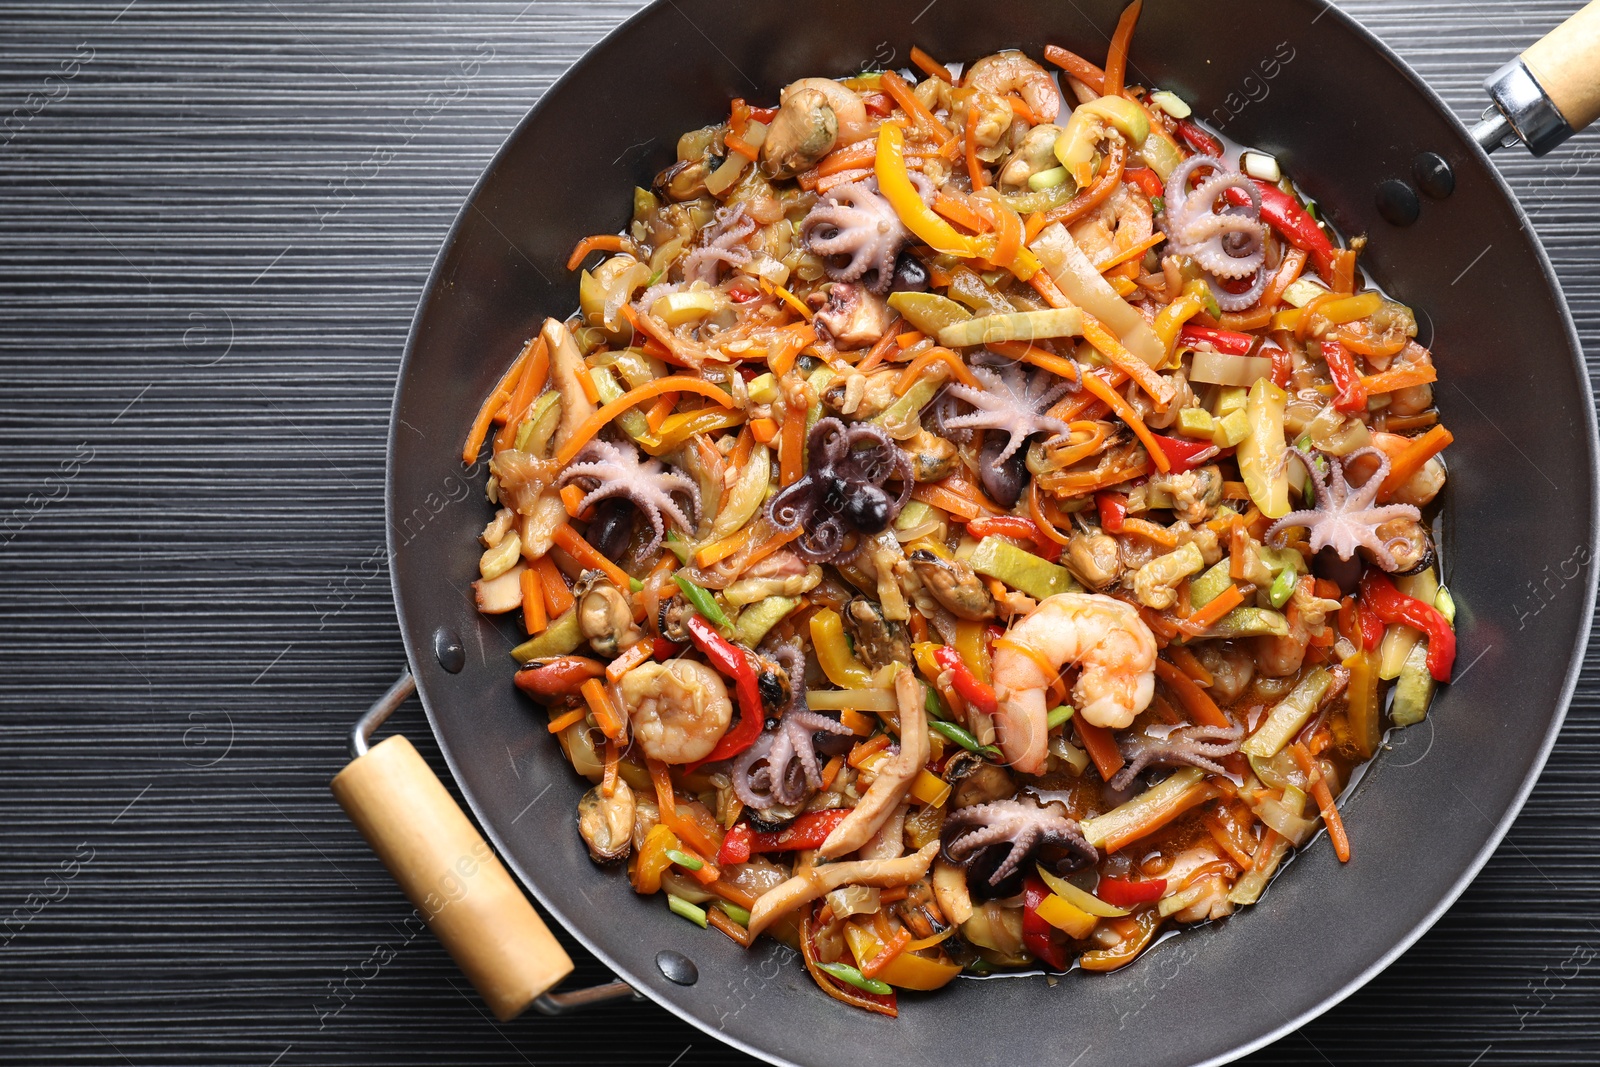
1104, 637
679, 710
1012, 72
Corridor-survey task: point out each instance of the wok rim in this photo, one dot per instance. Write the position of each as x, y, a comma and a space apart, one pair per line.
1330, 1000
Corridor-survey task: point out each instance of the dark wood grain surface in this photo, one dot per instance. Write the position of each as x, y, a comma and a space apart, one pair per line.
215, 222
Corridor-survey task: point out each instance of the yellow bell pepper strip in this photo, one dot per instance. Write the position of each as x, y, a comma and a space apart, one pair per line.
653, 859
1170, 320
1036, 929
894, 182
833, 652
1070, 920
905, 970
673, 383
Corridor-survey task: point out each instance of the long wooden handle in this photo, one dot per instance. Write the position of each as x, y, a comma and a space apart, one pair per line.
1566, 64
452, 876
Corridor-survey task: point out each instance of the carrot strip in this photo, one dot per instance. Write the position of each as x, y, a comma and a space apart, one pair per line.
529, 386
534, 619
1102, 748
721, 550
1077, 66
497, 398
597, 422
1324, 798
1198, 793
600, 242
557, 597
605, 716
608, 780
1117, 55
915, 368
763, 430
1412, 459
571, 497
1034, 226
1400, 378
830, 771
791, 445
907, 339
743, 445
1046, 287
1036, 513
561, 722
660, 410
1132, 253
944, 499
1196, 701
901, 93
1106, 343
636, 654
959, 213
928, 65
1150, 531
874, 967
718, 919
684, 827
974, 168
1206, 617
590, 557
880, 348
1023, 352
1191, 666
1096, 385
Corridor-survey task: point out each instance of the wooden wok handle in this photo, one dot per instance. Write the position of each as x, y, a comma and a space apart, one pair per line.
1566, 64
452, 876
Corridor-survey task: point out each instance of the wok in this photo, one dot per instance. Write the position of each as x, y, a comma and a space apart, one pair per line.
1353, 125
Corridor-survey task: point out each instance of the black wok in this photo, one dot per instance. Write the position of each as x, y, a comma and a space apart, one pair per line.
1294, 77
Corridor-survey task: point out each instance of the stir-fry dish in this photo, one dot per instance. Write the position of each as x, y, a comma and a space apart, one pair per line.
973, 522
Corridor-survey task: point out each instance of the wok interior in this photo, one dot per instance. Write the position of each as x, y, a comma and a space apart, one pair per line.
1516, 516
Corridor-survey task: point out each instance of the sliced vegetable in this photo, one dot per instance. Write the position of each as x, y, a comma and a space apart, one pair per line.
693, 912
961, 736
1217, 368
976, 693
1262, 453
846, 973
999, 558
1015, 326
1380, 597
1086, 287
928, 312
755, 621
1289, 714
561, 637
704, 603
1079, 898
1147, 812
1126, 892
1413, 690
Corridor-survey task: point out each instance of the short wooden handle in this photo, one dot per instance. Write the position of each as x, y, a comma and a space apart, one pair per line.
452, 876
1566, 64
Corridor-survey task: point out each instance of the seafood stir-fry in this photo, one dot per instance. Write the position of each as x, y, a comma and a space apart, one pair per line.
974, 521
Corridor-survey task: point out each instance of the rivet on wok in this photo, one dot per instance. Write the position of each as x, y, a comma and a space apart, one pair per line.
677, 968
1398, 203
447, 648
1433, 175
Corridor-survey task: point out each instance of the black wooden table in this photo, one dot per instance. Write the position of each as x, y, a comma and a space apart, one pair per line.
215, 221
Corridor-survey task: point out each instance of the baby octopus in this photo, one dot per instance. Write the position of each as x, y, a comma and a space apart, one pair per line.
1230, 243
854, 220
843, 489
1009, 401
1197, 746
1019, 826
1342, 518
617, 472
782, 768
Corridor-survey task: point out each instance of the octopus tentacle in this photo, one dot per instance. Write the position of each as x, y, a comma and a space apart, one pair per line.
1196, 746
1343, 518
1228, 244
826, 503
618, 473
1009, 401
854, 220
1025, 825
723, 245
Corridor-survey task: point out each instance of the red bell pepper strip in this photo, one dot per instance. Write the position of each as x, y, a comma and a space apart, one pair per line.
1185, 455
1147, 180
1018, 527
663, 650
1351, 395
808, 831
979, 694
1113, 509
1380, 597
1234, 344
732, 661
1282, 366
1036, 936
736, 844
1371, 629
1125, 892
1199, 139
1283, 213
